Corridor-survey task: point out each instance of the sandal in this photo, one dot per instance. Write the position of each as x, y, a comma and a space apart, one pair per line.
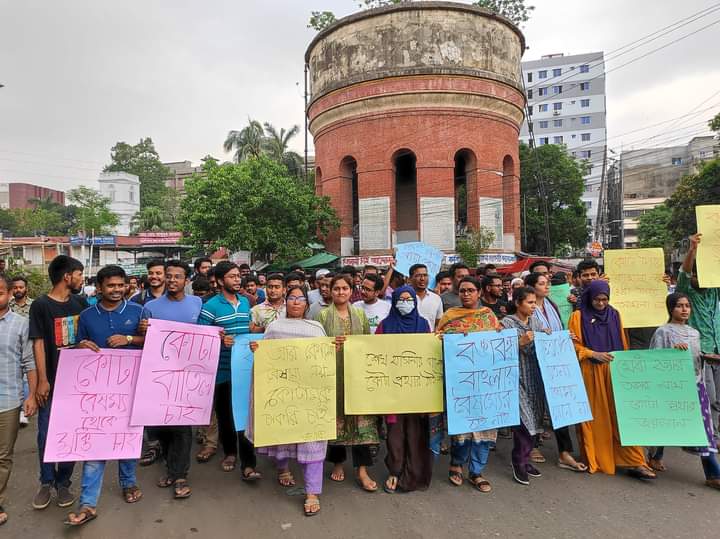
311, 507
481, 484
456, 478
657, 465
165, 482
286, 479
228, 463
85, 515
150, 456
132, 494
368, 485
205, 454
712, 483
250, 474
536, 456
337, 477
181, 489
642, 472
392, 479
578, 467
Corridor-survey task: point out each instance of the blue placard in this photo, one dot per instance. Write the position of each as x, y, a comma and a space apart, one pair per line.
481, 380
241, 368
563, 381
417, 252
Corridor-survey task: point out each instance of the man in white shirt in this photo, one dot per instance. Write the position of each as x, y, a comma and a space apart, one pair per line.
375, 309
314, 295
429, 303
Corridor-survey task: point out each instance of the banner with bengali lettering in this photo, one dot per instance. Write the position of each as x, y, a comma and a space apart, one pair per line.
241, 367
636, 286
393, 374
417, 252
559, 294
708, 254
294, 391
177, 374
656, 398
563, 381
92, 400
481, 380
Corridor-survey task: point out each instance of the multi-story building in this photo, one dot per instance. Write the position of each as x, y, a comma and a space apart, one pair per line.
180, 172
17, 195
632, 210
566, 105
123, 191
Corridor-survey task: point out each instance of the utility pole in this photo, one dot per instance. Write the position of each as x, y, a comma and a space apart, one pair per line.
621, 199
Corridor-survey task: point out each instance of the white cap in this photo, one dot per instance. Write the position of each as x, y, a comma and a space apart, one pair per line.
319, 274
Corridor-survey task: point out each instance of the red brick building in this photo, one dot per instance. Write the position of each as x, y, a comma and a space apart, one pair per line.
415, 111
18, 195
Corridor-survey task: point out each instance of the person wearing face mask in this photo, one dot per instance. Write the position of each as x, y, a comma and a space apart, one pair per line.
409, 459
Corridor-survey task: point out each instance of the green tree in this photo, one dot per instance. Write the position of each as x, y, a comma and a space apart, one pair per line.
319, 20
563, 181
474, 243
653, 228
255, 206
93, 211
276, 147
143, 160
246, 143
150, 219
714, 124
693, 190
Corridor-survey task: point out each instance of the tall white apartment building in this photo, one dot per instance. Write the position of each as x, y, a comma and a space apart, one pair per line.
566, 101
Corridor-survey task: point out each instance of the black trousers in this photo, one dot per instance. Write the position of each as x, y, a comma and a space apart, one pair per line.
564, 441
226, 428
176, 443
361, 455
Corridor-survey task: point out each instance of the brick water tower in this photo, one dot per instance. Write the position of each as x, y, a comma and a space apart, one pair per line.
415, 111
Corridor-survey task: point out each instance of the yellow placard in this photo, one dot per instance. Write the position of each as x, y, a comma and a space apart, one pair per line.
708, 254
393, 374
636, 286
294, 391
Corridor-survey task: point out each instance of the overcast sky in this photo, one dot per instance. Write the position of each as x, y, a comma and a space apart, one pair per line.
81, 75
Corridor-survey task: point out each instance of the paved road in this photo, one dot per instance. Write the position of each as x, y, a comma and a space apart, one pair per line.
560, 504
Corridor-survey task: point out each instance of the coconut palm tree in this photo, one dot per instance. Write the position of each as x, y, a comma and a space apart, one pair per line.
150, 219
248, 142
276, 147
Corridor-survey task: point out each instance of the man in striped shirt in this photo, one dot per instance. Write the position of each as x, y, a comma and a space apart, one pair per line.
231, 311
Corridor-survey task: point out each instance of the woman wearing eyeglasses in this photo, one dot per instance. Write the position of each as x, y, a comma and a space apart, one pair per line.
310, 455
409, 459
471, 447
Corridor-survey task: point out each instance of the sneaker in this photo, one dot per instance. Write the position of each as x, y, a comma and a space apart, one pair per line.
520, 476
65, 498
532, 471
42, 498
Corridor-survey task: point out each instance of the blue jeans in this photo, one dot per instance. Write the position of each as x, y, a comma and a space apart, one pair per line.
92, 479
51, 473
474, 453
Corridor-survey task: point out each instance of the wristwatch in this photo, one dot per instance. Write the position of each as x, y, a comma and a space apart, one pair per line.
129, 338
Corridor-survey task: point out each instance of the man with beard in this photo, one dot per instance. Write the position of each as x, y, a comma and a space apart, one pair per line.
156, 283
53, 326
443, 282
272, 308
376, 309
491, 295
112, 323
231, 311
325, 295
429, 304
20, 302
176, 441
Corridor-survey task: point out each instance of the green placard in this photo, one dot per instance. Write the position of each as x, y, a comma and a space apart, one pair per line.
656, 398
559, 294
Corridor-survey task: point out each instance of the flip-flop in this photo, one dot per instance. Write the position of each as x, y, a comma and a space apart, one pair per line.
342, 476
87, 517
479, 482
251, 476
642, 473
180, 485
452, 474
386, 488
307, 506
366, 489
580, 468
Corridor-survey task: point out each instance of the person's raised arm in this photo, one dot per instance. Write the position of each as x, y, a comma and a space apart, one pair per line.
687, 265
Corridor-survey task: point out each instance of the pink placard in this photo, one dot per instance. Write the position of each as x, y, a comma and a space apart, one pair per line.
91, 403
177, 374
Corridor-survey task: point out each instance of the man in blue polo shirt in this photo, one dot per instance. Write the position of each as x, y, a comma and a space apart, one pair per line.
111, 323
231, 311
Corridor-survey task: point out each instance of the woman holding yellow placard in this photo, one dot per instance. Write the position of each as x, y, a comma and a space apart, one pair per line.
357, 431
471, 447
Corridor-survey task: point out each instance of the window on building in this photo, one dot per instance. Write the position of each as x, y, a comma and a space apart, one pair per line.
132, 194
557, 106
557, 89
557, 123
529, 93
585, 68
584, 103
542, 74
543, 140
543, 124
584, 86
529, 76
585, 120
530, 110
543, 107
557, 72
542, 91
111, 192
677, 161
588, 204
585, 137
585, 154
558, 140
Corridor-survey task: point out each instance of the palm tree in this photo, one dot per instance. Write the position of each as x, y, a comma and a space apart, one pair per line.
248, 142
149, 219
276, 146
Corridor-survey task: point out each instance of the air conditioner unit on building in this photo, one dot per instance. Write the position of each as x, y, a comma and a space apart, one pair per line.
556, 113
